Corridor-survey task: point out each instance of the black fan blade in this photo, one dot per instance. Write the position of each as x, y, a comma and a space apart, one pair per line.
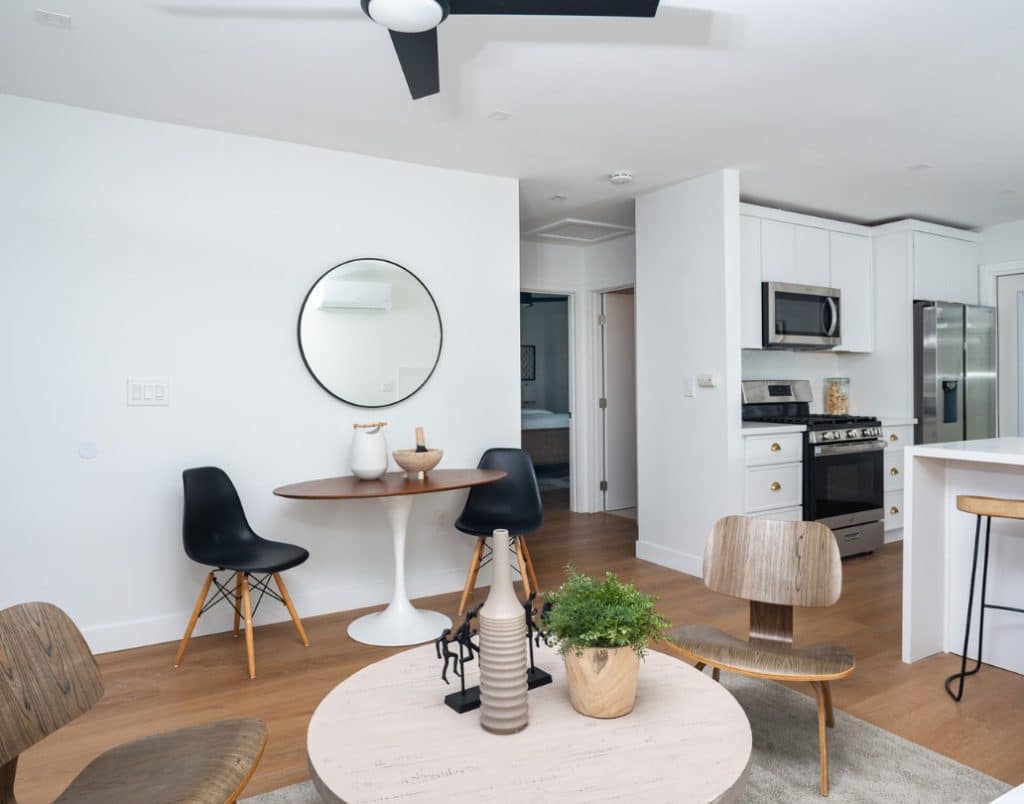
417, 53
558, 8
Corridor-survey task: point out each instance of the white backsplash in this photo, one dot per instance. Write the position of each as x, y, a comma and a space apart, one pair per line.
811, 366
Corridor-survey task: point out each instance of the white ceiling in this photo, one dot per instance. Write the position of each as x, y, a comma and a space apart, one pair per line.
822, 104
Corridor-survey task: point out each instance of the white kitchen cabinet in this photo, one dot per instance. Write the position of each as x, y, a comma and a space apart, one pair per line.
850, 270
945, 268
750, 282
794, 253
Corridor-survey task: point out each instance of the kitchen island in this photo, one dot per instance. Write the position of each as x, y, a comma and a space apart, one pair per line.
938, 543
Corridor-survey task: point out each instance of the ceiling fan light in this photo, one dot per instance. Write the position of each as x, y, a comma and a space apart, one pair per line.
406, 16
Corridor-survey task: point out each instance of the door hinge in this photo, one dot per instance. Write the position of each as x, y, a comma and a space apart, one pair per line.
601, 320
604, 485
602, 403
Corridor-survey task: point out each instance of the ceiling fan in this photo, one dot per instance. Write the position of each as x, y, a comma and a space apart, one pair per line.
413, 26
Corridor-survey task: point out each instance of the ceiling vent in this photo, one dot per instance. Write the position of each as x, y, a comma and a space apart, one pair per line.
574, 230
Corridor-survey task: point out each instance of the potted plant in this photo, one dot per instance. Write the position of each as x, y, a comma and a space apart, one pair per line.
602, 628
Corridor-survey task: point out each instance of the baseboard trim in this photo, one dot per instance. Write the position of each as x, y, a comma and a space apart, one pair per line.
671, 558
110, 637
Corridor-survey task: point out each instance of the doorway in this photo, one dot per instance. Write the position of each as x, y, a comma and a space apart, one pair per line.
618, 402
546, 392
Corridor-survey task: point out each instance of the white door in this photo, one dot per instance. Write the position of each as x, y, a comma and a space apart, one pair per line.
1009, 289
620, 406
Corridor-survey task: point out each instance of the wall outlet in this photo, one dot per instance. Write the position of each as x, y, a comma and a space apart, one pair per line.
707, 381
149, 392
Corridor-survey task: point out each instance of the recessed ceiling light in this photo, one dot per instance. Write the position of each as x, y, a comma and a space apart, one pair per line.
53, 18
559, 197
919, 166
499, 115
620, 177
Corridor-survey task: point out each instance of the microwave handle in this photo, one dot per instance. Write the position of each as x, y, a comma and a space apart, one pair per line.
834, 316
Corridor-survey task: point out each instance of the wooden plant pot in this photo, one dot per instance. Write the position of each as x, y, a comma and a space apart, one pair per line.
602, 681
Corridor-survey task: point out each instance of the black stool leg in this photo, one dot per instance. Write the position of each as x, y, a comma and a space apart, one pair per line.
964, 672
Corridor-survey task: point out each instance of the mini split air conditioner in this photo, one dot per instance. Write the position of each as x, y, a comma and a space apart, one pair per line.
353, 294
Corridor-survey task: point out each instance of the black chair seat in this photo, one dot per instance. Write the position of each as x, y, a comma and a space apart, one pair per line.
513, 503
261, 556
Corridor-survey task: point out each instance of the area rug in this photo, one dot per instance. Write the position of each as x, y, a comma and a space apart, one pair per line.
866, 764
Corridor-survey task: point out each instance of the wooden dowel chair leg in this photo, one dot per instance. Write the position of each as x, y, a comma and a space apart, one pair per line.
238, 603
474, 570
247, 613
196, 610
530, 565
699, 667
819, 692
523, 573
715, 673
830, 717
291, 608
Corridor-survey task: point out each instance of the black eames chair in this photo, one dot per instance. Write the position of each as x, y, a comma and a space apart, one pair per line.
217, 534
513, 503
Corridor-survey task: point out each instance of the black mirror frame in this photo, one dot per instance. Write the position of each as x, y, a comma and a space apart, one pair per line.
440, 328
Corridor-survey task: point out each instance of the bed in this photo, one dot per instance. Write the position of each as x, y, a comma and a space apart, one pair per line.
546, 436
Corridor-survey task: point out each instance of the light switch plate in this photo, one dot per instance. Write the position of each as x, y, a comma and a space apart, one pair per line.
707, 381
148, 392
689, 386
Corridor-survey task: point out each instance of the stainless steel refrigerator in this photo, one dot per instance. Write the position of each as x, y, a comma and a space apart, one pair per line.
955, 372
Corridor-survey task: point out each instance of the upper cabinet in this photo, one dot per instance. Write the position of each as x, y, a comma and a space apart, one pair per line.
780, 246
945, 268
850, 271
793, 253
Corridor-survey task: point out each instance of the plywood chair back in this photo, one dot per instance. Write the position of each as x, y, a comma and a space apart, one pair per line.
776, 566
48, 677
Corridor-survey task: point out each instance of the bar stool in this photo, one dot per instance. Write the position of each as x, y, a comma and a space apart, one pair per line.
982, 507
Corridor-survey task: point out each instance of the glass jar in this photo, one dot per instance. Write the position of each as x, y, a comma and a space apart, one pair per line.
837, 396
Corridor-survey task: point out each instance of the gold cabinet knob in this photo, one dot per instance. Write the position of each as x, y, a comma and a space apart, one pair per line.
893, 437
776, 446
894, 472
775, 486
894, 510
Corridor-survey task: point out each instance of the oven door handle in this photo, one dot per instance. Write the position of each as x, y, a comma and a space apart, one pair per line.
849, 449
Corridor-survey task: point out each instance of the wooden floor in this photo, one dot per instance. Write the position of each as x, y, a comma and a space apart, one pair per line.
145, 694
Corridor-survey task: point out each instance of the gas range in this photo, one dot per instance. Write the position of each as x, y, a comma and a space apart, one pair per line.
843, 485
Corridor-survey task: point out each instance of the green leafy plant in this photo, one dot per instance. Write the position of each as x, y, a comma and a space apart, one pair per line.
601, 614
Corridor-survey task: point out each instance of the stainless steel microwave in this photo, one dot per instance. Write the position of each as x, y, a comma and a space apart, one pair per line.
800, 316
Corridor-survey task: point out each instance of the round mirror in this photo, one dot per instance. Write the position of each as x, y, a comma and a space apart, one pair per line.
370, 333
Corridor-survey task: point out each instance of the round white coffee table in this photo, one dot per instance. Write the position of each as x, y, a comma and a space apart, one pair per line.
384, 734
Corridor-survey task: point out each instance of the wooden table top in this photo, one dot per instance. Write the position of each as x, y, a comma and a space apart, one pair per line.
385, 734
393, 484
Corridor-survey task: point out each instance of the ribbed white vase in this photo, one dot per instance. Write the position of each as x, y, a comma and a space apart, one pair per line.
503, 691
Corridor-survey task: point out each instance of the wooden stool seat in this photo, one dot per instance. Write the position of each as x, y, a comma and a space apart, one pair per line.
761, 658
990, 506
210, 763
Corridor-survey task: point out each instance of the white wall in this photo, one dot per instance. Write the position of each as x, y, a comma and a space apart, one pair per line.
1003, 242
139, 248
690, 450
582, 272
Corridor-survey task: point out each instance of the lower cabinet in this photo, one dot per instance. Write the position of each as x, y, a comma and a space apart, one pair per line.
781, 514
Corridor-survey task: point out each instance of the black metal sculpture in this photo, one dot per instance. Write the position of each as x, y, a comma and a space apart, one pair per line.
467, 699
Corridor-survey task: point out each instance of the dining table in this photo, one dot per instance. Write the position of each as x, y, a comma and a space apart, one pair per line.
400, 623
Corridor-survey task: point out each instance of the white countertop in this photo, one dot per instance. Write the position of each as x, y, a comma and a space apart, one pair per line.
896, 421
765, 428
1008, 451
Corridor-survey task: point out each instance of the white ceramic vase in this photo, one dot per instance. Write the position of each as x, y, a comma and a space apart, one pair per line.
503, 691
369, 452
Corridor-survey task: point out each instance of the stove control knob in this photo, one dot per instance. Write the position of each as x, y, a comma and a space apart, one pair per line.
828, 435
853, 433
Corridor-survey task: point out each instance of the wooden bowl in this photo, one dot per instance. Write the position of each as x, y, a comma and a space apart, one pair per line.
417, 464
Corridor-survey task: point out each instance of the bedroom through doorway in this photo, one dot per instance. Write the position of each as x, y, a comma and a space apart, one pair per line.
545, 392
